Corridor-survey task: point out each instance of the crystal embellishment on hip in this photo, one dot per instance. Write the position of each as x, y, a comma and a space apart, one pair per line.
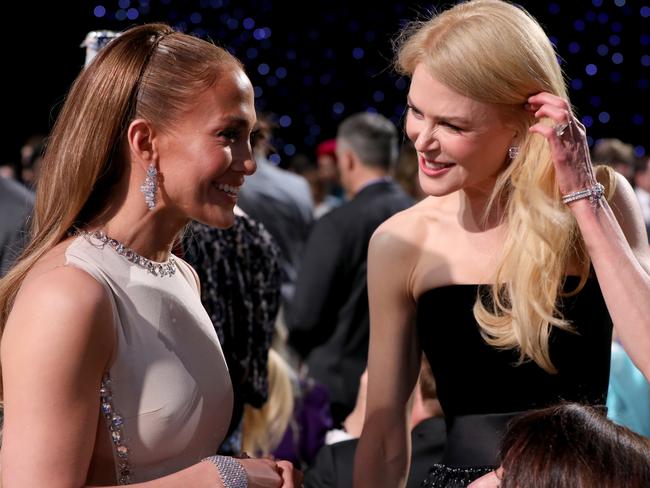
114, 421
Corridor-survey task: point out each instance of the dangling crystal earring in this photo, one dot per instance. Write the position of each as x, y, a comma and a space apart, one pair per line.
513, 151
150, 186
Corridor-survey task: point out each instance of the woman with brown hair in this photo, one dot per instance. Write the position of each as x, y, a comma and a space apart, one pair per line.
112, 372
572, 446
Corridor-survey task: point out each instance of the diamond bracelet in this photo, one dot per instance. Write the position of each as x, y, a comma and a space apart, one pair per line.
593, 193
231, 471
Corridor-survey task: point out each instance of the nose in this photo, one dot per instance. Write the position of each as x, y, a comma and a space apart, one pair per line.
244, 161
425, 138
250, 166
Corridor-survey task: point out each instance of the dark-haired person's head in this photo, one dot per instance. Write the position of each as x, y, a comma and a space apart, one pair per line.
573, 446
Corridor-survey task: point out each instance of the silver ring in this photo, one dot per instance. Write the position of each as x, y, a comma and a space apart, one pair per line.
561, 128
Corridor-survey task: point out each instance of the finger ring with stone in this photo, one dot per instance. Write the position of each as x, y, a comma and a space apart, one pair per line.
561, 128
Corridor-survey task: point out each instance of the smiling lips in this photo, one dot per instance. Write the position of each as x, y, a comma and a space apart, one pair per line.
434, 168
436, 165
232, 190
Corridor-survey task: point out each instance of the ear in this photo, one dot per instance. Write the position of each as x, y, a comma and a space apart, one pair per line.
142, 144
347, 159
515, 130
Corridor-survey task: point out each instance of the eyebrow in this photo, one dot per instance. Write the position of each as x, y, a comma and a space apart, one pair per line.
237, 120
444, 118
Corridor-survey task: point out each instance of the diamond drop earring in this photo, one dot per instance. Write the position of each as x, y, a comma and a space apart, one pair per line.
150, 187
513, 151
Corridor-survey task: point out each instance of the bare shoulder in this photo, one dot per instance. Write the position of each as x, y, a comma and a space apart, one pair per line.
626, 208
401, 245
62, 306
624, 198
408, 228
50, 281
62, 287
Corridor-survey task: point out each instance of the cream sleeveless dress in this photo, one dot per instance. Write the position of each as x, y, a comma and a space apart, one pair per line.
167, 397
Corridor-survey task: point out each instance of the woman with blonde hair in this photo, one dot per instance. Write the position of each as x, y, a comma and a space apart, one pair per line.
264, 427
294, 421
112, 372
510, 275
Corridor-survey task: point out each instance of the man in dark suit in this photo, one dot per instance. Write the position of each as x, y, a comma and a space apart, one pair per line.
16, 204
282, 202
334, 463
328, 318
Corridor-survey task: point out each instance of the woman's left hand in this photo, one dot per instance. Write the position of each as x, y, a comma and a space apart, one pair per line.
568, 141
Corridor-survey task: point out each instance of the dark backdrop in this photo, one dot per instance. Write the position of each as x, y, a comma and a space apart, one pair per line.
315, 62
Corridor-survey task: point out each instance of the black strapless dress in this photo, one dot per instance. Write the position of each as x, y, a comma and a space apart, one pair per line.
480, 388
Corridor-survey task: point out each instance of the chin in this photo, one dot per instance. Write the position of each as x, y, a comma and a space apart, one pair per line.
436, 189
221, 220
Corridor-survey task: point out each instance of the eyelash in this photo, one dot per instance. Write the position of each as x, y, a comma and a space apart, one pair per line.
230, 134
414, 110
235, 134
451, 126
418, 114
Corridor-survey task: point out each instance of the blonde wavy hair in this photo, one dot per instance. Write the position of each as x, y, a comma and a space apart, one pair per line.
149, 72
496, 53
264, 428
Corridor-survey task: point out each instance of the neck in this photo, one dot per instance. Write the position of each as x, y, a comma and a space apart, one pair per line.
360, 181
474, 211
149, 233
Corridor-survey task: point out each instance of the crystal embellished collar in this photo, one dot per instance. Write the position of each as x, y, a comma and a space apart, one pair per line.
168, 268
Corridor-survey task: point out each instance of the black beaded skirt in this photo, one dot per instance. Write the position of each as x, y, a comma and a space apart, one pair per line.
471, 449
441, 476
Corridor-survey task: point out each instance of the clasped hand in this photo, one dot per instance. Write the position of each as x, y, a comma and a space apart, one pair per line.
269, 473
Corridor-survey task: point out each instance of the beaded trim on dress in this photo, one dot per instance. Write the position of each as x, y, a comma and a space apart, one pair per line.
114, 421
